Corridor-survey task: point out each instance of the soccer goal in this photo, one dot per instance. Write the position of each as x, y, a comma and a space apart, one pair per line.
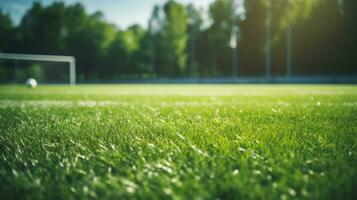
47, 68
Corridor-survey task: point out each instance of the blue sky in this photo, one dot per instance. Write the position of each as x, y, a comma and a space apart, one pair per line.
119, 12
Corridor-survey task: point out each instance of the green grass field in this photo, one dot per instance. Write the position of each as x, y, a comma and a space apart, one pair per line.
178, 142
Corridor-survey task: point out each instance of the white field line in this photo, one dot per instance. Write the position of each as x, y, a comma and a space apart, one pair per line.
89, 103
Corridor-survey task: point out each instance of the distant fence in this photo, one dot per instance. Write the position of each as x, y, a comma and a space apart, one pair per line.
333, 79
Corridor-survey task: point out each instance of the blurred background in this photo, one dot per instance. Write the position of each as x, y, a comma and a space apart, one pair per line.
181, 41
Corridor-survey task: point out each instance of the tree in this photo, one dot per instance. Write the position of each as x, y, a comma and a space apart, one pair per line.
180, 43
318, 40
215, 55
171, 56
88, 38
123, 52
153, 35
194, 24
253, 40
350, 50
138, 60
7, 33
8, 39
41, 29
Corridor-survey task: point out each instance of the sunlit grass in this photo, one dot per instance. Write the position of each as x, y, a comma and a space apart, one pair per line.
178, 141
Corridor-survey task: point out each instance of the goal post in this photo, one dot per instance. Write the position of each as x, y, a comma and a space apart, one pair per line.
50, 58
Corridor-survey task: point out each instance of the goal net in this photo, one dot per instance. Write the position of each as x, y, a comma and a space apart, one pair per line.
16, 68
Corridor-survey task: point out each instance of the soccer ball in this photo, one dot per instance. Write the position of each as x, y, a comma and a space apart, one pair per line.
31, 83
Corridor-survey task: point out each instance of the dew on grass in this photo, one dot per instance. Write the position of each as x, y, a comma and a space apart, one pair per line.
178, 113
308, 161
130, 189
92, 194
292, 192
254, 155
82, 157
85, 189
257, 172
242, 149
176, 181
180, 136
304, 192
275, 185
176, 147
95, 179
103, 147
164, 167
198, 151
283, 197
37, 181
235, 172
168, 191
80, 171
73, 189
151, 145
130, 186
15, 173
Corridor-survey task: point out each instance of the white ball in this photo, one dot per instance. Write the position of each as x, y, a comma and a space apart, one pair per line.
31, 83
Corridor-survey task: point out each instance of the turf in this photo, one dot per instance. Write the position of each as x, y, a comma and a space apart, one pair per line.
178, 142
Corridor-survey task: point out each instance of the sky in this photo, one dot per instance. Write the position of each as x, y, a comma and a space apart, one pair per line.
120, 12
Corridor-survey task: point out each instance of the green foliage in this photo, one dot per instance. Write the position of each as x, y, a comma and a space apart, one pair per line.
7, 32
183, 41
171, 50
195, 24
350, 15
215, 40
178, 142
327, 46
253, 38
